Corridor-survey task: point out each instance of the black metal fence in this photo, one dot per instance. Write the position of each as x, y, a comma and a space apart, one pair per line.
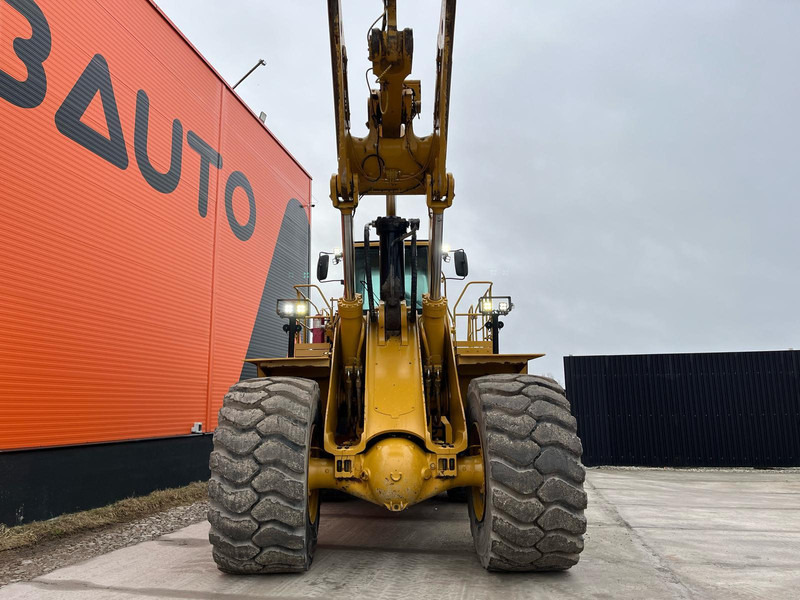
714, 409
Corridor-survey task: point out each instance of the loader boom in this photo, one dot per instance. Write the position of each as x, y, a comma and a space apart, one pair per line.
391, 159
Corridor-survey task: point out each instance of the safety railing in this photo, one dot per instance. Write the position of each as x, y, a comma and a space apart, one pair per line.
318, 317
476, 331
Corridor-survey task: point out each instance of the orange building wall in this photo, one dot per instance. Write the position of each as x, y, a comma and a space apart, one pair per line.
124, 312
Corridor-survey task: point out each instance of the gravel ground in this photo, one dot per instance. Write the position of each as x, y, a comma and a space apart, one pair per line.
23, 564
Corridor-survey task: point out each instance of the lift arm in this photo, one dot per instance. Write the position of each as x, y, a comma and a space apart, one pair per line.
391, 159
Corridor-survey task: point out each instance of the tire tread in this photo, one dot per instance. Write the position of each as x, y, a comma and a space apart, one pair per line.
535, 503
257, 491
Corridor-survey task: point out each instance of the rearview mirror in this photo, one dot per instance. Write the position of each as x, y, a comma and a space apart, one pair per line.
460, 263
322, 267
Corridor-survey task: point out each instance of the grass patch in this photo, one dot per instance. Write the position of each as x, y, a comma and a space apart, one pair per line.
123, 511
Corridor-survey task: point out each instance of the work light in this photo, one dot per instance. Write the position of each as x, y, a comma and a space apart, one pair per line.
293, 309
495, 305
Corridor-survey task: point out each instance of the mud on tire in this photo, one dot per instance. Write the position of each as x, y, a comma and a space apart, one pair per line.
259, 510
534, 499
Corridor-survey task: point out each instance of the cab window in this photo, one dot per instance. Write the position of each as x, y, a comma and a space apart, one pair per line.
422, 274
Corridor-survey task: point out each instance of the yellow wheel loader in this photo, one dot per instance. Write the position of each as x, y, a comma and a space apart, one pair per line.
377, 397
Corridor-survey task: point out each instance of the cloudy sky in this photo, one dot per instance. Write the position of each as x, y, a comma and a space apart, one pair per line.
629, 171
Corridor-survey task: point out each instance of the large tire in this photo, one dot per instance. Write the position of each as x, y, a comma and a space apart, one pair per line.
262, 518
533, 499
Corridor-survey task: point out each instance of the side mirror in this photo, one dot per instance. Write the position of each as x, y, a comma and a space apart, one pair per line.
460, 263
322, 266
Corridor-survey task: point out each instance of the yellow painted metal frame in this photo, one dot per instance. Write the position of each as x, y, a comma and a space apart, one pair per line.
392, 159
395, 473
383, 466
394, 460
394, 398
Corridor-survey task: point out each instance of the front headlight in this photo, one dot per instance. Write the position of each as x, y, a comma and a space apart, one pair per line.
288, 309
495, 305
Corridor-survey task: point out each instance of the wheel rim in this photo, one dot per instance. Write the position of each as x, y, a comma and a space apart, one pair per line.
478, 493
313, 506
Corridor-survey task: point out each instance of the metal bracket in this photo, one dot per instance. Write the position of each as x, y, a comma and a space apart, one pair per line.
446, 465
344, 467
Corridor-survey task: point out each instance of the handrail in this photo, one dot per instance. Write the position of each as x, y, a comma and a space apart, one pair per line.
472, 328
313, 286
489, 291
305, 329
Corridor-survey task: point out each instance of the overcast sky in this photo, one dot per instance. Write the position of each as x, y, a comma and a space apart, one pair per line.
629, 171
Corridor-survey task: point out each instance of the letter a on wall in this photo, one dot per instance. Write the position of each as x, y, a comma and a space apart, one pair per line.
95, 78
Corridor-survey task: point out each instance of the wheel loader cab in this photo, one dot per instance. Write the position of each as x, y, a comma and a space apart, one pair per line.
408, 272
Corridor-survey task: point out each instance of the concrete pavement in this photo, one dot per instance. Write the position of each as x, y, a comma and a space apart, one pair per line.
653, 533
